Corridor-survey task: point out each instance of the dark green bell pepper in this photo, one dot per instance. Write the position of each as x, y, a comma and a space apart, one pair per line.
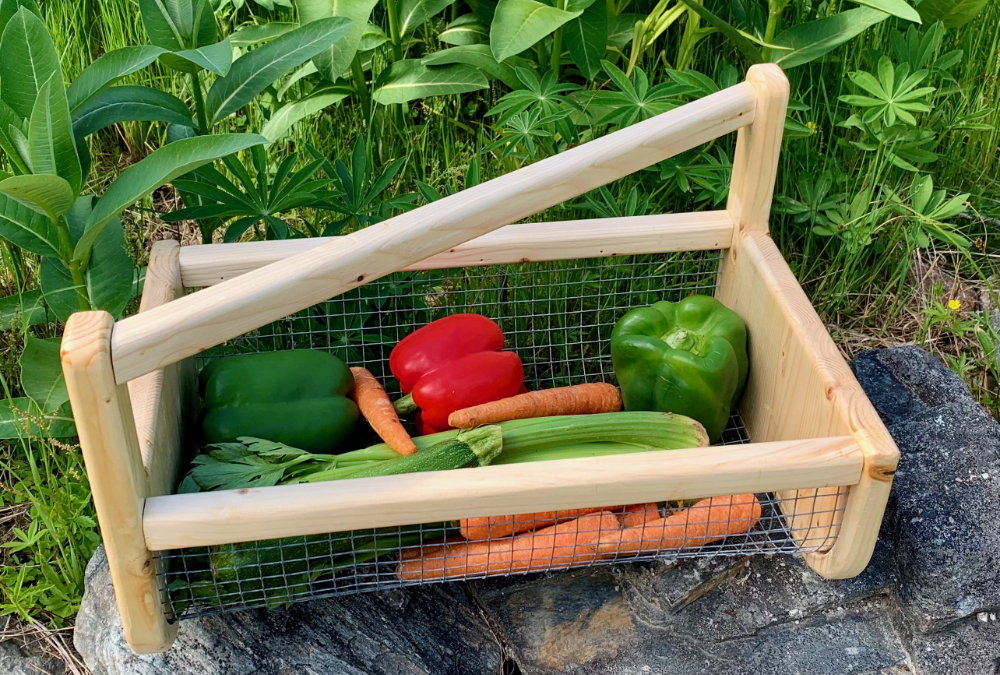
296, 397
687, 357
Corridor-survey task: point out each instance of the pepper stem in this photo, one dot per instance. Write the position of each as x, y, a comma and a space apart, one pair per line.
679, 339
405, 406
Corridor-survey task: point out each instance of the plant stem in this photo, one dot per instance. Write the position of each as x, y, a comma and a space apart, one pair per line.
361, 88
397, 55
556, 55
394, 36
81, 285
774, 10
199, 104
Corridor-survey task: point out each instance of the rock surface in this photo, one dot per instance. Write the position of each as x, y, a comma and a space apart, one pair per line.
420, 631
943, 517
14, 660
757, 615
926, 605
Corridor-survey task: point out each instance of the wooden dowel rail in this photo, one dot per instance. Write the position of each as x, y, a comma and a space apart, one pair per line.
210, 518
529, 242
188, 325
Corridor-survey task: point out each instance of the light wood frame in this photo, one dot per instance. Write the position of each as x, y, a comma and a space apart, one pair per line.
813, 429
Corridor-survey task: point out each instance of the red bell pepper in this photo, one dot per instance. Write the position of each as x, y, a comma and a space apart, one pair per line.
439, 342
454, 363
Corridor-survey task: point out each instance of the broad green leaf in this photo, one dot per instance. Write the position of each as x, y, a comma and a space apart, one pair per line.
25, 309
952, 13
8, 119
251, 35
217, 57
177, 25
413, 13
51, 144
19, 419
41, 373
8, 8
478, 56
484, 9
747, 47
586, 38
44, 192
107, 70
29, 229
281, 121
162, 166
894, 7
130, 103
29, 60
108, 278
255, 71
621, 29
335, 61
372, 38
519, 24
465, 30
808, 41
303, 72
409, 79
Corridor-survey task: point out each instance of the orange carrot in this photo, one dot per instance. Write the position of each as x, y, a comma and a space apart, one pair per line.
495, 527
706, 521
565, 545
376, 407
579, 399
637, 514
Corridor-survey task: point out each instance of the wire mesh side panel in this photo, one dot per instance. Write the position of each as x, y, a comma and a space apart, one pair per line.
277, 572
558, 317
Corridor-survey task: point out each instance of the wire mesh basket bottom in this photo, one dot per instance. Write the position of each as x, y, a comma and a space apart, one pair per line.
558, 317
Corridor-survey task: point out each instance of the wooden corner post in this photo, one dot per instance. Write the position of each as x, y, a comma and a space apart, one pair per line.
118, 481
799, 384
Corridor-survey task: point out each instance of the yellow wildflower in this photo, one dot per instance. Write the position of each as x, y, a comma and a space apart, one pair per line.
954, 304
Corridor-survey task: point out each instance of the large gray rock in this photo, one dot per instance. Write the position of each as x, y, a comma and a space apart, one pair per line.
969, 647
943, 517
734, 615
926, 604
432, 630
15, 660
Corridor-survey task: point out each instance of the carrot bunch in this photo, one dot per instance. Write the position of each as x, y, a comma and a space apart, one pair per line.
577, 537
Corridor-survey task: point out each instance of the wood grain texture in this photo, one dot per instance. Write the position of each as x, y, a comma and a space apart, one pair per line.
230, 516
188, 325
530, 242
755, 164
104, 422
160, 398
801, 387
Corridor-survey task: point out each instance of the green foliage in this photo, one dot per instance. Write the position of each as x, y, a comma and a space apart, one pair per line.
952, 13
519, 24
410, 79
259, 199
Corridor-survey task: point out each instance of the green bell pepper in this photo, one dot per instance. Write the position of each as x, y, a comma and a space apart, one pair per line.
688, 357
296, 397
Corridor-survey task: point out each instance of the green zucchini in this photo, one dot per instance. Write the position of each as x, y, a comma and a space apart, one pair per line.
475, 447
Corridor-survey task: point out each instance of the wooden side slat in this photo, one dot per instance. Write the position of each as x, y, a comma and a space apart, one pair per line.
204, 519
801, 387
530, 242
159, 399
188, 325
104, 421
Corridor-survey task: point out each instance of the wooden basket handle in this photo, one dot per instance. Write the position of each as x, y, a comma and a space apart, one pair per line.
188, 325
